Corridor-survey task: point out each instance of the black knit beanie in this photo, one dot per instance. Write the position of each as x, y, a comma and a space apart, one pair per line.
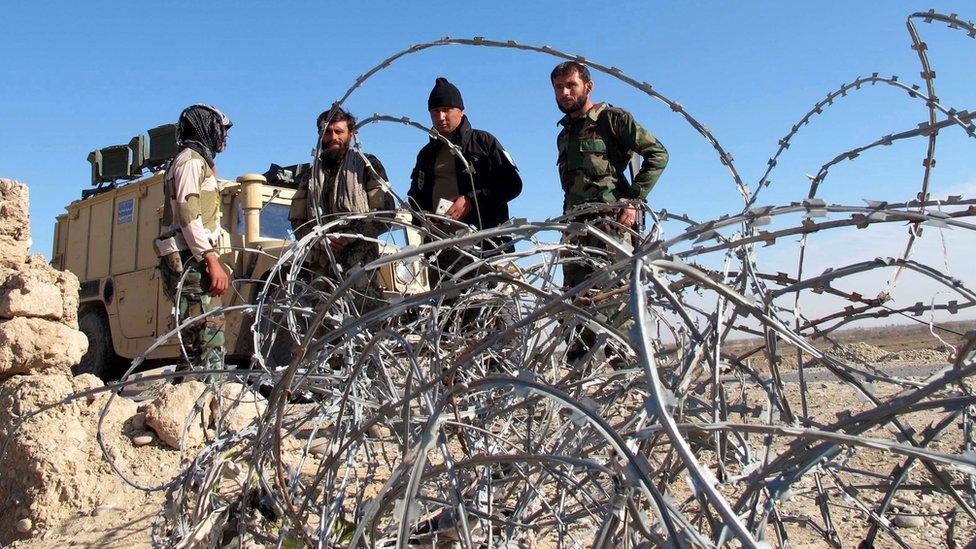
444, 94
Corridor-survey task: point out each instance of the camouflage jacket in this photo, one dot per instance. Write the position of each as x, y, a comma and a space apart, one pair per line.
594, 151
191, 208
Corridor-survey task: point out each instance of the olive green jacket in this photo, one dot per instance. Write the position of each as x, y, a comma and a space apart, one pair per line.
594, 151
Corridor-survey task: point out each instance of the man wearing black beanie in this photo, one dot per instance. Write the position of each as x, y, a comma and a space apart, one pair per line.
444, 94
439, 176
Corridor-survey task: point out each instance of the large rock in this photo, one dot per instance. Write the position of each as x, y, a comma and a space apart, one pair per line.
908, 521
169, 413
35, 289
21, 395
52, 466
35, 344
237, 408
15, 239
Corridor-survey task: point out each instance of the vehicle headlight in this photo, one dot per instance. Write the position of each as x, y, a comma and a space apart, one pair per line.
405, 273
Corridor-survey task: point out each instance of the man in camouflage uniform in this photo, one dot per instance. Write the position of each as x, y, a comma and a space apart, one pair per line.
350, 183
595, 147
187, 245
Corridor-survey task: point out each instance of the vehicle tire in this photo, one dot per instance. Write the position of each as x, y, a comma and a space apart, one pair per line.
100, 357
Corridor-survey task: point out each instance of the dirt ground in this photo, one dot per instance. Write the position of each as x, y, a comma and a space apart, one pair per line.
128, 523
901, 345
830, 401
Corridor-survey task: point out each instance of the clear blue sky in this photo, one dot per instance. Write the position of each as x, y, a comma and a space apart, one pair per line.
79, 76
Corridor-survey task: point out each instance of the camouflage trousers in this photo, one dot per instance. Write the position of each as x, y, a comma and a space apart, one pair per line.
575, 272
204, 339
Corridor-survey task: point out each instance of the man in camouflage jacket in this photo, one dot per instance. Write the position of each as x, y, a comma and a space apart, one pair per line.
595, 146
190, 234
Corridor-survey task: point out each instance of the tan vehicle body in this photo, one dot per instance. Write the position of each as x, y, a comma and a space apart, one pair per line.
107, 242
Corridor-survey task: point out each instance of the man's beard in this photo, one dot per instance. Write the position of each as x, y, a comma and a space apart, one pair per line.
335, 154
574, 107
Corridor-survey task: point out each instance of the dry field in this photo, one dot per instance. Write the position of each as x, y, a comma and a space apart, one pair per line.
919, 515
900, 345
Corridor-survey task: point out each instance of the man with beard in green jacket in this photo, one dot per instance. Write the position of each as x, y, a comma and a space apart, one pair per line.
595, 145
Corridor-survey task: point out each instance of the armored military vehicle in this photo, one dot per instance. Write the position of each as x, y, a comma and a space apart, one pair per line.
106, 240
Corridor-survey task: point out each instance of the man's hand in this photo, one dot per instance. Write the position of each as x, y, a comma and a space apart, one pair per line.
460, 208
218, 278
338, 243
627, 216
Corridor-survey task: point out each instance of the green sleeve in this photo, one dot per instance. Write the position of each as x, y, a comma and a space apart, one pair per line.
636, 139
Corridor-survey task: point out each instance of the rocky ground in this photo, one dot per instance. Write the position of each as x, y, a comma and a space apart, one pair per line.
901, 345
54, 474
920, 515
85, 503
95, 509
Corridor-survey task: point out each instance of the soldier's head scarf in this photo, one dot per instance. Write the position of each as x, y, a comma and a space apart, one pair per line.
202, 128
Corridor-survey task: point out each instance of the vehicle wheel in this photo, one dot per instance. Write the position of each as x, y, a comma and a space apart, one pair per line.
101, 356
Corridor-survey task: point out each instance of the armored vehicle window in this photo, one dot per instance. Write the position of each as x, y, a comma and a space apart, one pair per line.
274, 221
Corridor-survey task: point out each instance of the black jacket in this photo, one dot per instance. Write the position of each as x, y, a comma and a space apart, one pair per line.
496, 178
